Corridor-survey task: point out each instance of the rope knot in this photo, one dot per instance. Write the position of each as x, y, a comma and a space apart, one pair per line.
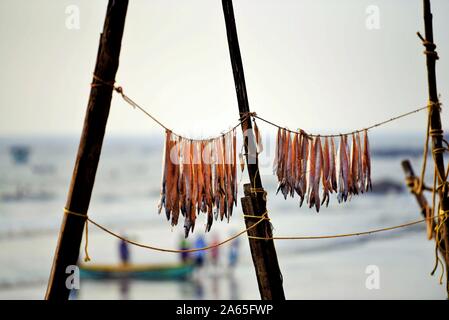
414, 184
119, 89
430, 47
86, 221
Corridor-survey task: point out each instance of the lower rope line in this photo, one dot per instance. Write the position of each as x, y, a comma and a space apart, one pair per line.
87, 219
343, 235
261, 218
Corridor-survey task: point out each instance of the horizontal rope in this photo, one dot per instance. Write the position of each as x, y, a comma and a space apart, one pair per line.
343, 235
244, 115
84, 216
135, 105
347, 133
261, 218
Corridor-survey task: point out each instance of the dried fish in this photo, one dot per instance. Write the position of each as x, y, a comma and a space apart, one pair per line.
354, 189
343, 171
361, 173
367, 162
309, 167
304, 162
326, 173
258, 139
333, 166
315, 174
165, 159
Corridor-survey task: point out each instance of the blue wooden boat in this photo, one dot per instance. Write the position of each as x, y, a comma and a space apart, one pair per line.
136, 271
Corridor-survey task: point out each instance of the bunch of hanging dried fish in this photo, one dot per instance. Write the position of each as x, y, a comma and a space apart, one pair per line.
307, 165
199, 176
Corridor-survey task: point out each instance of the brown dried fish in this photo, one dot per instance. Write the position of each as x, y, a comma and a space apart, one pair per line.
326, 173
367, 161
304, 162
343, 171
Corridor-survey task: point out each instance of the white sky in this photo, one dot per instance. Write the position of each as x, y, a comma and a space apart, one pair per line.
309, 64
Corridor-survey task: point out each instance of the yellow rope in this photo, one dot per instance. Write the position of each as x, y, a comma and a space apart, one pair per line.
263, 216
426, 149
347, 133
66, 211
135, 105
343, 235
438, 240
84, 216
243, 116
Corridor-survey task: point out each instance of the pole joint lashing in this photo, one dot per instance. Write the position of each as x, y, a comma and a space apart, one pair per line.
430, 47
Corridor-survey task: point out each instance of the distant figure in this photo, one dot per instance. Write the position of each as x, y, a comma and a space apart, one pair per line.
199, 255
124, 252
215, 251
233, 253
184, 245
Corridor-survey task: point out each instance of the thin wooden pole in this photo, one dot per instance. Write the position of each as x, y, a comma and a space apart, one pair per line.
263, 252
70, 236
435, 124
422, 201
420, 198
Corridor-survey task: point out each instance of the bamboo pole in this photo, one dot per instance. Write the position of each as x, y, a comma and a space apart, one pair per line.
263, 252
422, 202
435, 124
71, 232
420, 198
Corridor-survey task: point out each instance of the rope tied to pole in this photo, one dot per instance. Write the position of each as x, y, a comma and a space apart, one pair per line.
310, 136
443, 216
244, 115
89, 220
260, 218
135, 105
86, 220
430, 47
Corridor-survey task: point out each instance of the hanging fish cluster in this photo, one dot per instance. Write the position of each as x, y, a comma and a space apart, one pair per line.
199, 176
307, 165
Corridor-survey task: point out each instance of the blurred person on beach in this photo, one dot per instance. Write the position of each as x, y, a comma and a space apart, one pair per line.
184, 245
124, 252
233, 253
200, 255
215, 251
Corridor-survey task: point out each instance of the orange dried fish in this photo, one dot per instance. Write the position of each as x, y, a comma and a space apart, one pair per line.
333, 167
207, 172
297, 163
361, 173
304, 162
174, 158
277, 153
367, 162
316, 165
343, 171
326, 173
188, 177
354, 166
258, 139
163, 193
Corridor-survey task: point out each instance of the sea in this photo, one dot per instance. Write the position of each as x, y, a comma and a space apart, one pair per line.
390, 265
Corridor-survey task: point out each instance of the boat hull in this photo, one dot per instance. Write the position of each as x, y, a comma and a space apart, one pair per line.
142, 272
